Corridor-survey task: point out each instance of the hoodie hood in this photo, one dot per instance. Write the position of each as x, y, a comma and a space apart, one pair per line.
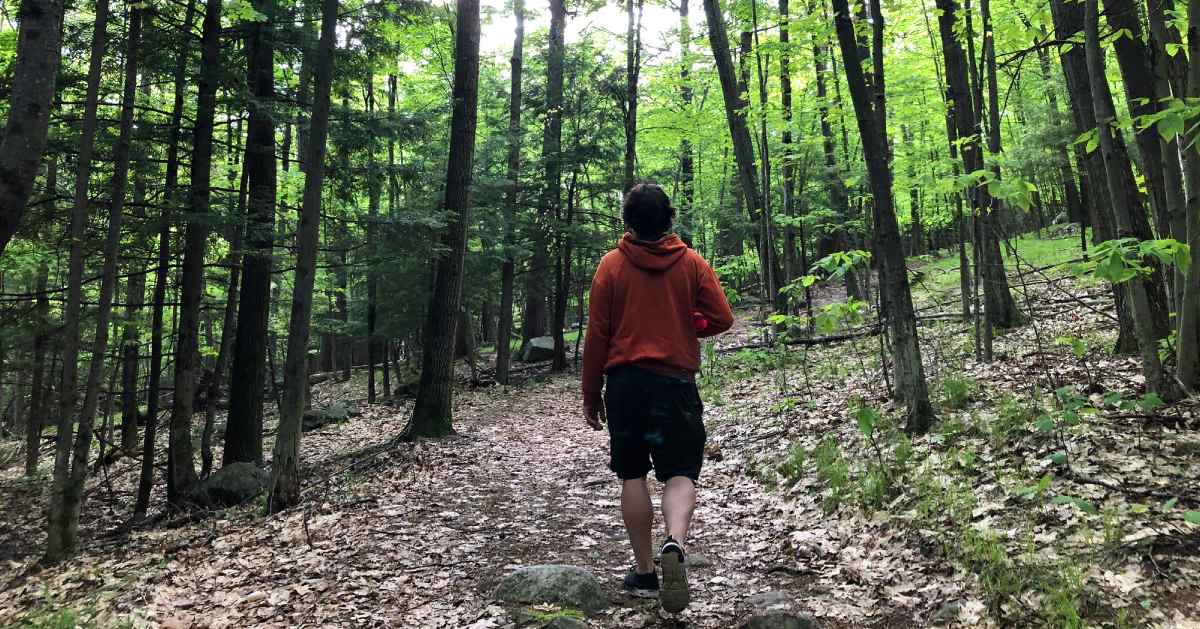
659, 255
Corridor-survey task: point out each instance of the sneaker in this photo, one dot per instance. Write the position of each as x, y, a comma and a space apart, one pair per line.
675, 596
641, 585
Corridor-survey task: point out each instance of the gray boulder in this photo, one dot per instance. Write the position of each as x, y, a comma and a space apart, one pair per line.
778, 619
566, 622
337, 413
768, 599
233, 484
568, 586
538, 350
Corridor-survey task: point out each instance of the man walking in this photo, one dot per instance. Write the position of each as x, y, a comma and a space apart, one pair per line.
651, 300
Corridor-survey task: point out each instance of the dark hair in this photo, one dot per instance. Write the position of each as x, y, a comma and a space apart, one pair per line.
648, 211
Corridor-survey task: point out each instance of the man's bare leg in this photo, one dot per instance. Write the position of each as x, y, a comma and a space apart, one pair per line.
678, 503
639, 519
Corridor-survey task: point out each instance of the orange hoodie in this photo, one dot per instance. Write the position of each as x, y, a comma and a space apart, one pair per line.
642, 301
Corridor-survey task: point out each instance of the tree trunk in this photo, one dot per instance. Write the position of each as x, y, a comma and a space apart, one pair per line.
39, 43
1188, 352
182, 467
1068, 24
512, 189
1000, 309
633, 68
536, 287
171, 194
911, 389
735, 111
62, 540
229, 326
39, 388
243, 424
135, 295
562, 278
374, 194
432, 411
687, 162
285, 473
790, 264
1123, 196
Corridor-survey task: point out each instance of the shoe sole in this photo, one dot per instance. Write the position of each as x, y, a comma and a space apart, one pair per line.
674, 593
640, 593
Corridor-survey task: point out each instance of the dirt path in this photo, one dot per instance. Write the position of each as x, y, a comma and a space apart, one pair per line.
423, 536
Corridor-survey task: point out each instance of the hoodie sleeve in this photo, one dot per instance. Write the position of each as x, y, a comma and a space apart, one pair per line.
599, 336
712, 303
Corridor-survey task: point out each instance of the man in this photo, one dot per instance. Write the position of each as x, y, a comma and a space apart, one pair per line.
652, 298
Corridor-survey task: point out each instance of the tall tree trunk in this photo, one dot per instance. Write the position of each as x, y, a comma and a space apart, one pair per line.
1068, 24
157, 329
432, 411
911, 389
1001, 310
1188, 352
790, 264
1122, 194
229, 325
61, 540
1137, 63
536, 287
562, 277
914, 197
243, 425
39, 43
687, 161
735, 109
633, 68
839, 201
182, 467
135, 294
285, 473
38, 388
766, 225
512, 189
374, 193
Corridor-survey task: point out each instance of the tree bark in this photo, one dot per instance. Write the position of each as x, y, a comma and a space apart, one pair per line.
735, 110
536, 287
171, 194
1188, 352
512, 189
243, 425
61, 540
1123, 196
182, 467
39, 387
633, 68
285, 473
39, 43
687, 161
374, 194
911, 389
432, 411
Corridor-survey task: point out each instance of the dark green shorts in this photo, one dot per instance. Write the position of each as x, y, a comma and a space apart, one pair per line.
654, 417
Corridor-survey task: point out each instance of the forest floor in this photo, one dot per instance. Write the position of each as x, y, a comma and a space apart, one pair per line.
1022, 507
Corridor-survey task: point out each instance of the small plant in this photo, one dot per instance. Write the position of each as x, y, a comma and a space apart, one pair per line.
834, 473
793, 464
1012, 415
958, 390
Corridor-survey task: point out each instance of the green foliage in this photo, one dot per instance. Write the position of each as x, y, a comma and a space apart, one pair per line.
834, 473
1122, 259
958, 390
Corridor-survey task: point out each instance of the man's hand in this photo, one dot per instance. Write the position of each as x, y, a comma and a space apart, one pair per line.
595, 416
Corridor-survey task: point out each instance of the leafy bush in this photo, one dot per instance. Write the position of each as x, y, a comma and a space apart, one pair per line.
958, 390
834, 473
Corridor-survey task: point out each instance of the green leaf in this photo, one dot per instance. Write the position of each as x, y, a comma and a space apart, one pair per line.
1059, 458
867, 419
1192, 517
1078, 503
1169, 504
1045, 424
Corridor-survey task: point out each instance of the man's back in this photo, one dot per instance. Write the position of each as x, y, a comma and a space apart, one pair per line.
641, 312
